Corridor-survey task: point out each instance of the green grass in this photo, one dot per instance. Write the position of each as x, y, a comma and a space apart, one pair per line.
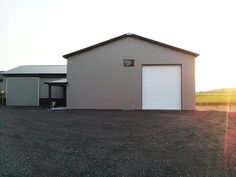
216, 96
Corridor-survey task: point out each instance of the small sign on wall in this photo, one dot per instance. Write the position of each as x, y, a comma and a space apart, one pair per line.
128, 62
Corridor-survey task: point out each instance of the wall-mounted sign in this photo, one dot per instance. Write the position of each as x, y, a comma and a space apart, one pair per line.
128, 62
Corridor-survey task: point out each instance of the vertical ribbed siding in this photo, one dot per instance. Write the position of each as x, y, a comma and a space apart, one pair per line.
26, 94
98, 80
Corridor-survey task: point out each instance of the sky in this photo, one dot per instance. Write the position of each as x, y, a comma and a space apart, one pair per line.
39, 32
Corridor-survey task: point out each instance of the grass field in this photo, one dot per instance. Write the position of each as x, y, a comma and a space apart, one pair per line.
217, 96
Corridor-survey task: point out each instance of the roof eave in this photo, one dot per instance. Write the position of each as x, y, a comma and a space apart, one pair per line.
30, 74
93, 46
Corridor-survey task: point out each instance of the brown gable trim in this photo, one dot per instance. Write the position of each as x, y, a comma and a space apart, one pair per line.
130, 35
166, 45
94, 46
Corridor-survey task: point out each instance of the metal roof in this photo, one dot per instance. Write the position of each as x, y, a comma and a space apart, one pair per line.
130, 35
59, 81
38, 69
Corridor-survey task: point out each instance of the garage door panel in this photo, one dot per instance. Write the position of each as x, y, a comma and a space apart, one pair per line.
161, 87
22, 91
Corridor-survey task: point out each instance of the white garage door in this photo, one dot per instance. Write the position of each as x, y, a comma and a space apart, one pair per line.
22, 91
161, 87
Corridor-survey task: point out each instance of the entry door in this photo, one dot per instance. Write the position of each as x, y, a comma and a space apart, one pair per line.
161, 87
22, 91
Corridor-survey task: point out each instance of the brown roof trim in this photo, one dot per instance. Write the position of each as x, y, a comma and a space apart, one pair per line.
130, 35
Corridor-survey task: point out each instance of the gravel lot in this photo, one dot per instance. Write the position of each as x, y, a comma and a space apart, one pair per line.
40, 142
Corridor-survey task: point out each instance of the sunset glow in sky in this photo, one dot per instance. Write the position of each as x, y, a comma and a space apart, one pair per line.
41, 31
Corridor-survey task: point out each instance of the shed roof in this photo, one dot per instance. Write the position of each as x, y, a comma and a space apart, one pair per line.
134, 36
37, 69
59, 81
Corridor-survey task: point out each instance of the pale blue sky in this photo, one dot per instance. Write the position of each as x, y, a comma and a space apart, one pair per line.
41, 31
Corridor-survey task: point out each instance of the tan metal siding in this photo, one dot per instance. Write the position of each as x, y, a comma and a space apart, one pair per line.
98, 80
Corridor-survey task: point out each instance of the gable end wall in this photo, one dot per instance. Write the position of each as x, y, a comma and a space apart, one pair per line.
98, 80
